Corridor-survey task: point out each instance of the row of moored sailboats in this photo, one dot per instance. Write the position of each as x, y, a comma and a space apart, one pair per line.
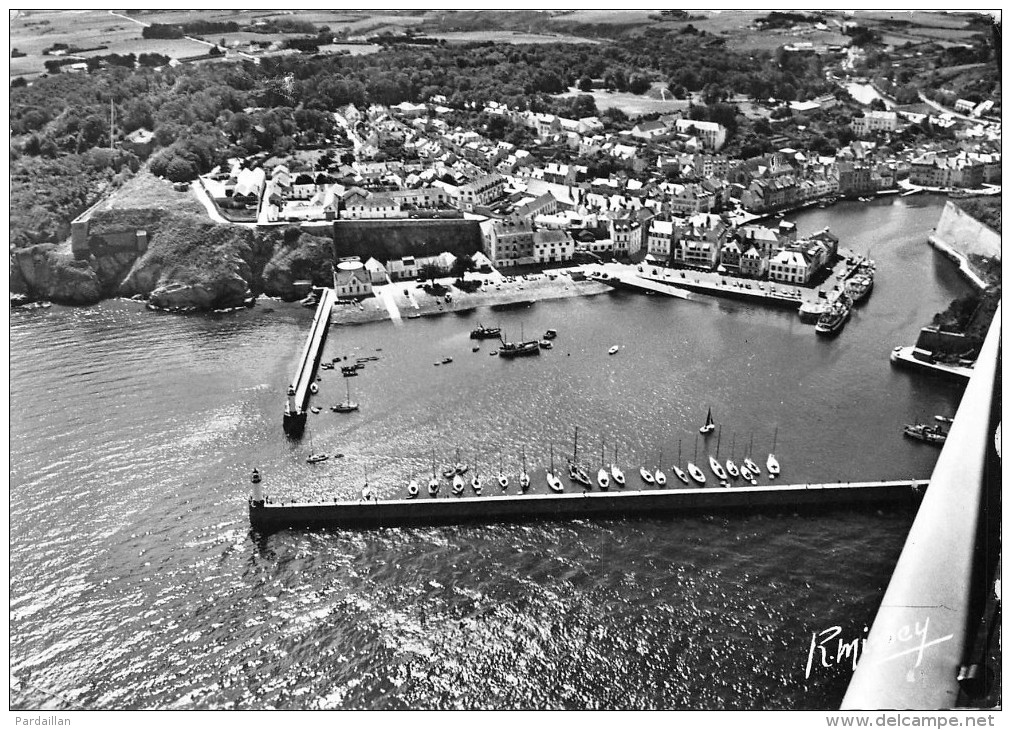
724, 471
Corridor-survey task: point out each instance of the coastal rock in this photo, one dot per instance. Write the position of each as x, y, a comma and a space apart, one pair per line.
43, 273
297, 256
215, 294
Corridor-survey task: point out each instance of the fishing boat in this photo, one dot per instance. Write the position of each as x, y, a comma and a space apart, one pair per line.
519, 349
553, 481
732, 469
833, 320
926, 433
576, 472
678, 472
714, 463
772, 464
617, 474
613, 350
503, 480
658, 475
752, 466
709, 426
475, 481
347, 406
457, 484
696, 473
485, 333
433, 483
524, 477
859, 286
412, 486
603, 479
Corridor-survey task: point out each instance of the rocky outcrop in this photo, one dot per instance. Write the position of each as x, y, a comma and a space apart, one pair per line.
297, 257
42, 273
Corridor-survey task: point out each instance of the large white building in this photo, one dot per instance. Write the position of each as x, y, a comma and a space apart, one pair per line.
351, 280
712, 135
874, 121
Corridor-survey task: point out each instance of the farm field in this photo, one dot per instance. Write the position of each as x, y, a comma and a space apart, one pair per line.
33, 31
509, 36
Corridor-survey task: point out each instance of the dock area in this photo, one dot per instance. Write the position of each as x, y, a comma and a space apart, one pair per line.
640, 283
424, 510
305, 372
913, 357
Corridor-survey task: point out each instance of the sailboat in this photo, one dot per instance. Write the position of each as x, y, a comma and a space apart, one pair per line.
457, 484
617, 474
771, 463
433, 483
677, 467
315, 458
577, 473
553, 481
503, 480
524, 477
709, 426
732, 469
696, 473
412, 486
714, 464
347, 406
646, 475
475, 481
603, 480
460, 467
752, 466
659, 476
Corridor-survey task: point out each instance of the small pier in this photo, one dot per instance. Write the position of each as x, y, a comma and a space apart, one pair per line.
642, 284
305, 372
424, 510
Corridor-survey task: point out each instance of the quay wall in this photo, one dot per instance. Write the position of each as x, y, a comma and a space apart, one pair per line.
450, 510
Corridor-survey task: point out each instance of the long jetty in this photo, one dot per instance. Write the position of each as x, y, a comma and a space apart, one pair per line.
271, 514
305, 372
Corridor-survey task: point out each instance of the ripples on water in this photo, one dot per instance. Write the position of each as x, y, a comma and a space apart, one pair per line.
135, 581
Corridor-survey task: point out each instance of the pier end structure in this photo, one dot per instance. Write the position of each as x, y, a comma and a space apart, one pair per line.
297, 395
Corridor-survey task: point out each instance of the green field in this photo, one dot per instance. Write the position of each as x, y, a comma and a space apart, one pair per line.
634, 105
509, 36
33, 31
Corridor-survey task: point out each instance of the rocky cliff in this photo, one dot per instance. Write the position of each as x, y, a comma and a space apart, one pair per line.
189, 263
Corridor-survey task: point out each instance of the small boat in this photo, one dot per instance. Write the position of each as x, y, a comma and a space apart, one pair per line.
315, 458
524, 477
617, 474
313, 388
603, 479
944, 419
732, 469
448, 472
613, 350
678, 472
696, 473
714, 463
255, 479
475, 481
646, 476
412, 486
314, 409
771, 463
659, 476
752, 466
576, 472
433, 483
447, 360
553, 481
485, 333
550, 334
460, 467
745, 473
457, 485
926, 433
709, 426
475, 348
346, 406
545, 344
503, 480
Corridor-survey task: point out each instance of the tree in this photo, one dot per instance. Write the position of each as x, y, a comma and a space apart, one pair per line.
429, 271
585, 83
639, 84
